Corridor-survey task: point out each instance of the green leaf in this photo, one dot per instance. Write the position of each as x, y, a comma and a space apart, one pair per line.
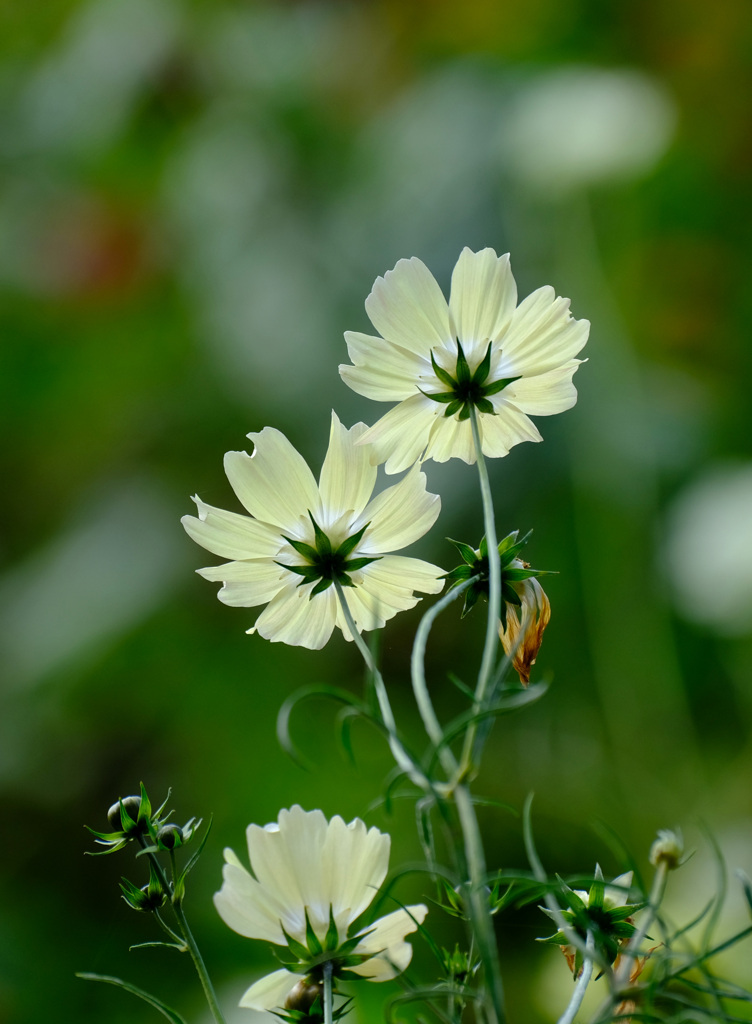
499, 385
312, 940
190, 864
302, 548
166, 1011
463, 370
323, 544
351, 543
308, 572
468, 554
483, 369
305, 693
179, 946
297, 949
442, 397
331, 941
322, 585
484, 406
458, 575
464, 412
445, 377
359, 563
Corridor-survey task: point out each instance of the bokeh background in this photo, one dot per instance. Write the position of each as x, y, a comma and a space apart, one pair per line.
195, 200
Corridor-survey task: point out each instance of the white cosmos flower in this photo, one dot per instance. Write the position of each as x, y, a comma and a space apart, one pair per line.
310, 874
301, 536
518, 360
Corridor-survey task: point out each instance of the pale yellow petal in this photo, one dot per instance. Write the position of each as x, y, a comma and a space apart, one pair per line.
354, 863
482, 300
400, 437
451, 438
292, 618
274, 483
507, 428
407, 307
382, 371
547, 393
387, 942
269, 992
347, 476
230, 535
541, 335
246, 906
399, 515
246, 584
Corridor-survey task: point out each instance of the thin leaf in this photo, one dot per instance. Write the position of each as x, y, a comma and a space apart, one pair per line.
166, 1011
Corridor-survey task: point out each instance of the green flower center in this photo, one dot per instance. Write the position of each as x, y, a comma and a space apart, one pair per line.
467, 390
325, 564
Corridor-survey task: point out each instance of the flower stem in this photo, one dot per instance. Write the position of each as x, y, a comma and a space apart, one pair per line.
480, 914
418, 675
405, 763
582, 983
190, 942
328, 1009
494, 597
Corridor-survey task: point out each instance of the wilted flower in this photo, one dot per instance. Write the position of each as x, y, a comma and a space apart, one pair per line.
302, 536
311, 881
480, 350
525, 608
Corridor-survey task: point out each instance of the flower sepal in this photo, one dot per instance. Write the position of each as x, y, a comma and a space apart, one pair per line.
147, 898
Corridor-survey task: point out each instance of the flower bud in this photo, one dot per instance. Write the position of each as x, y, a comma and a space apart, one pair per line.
303, 996
667, 849
169, 837
130, 804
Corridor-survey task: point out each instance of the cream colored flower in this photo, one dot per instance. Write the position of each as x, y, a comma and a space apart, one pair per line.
313, 877
437, 359
301, 536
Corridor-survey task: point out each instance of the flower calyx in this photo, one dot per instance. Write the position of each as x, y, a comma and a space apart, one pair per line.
601, 912
149, 897
304, 1004
326, 564
475, 563
310, 957
132, 817
466, 390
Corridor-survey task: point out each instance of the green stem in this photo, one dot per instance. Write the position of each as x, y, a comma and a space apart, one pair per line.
328, 998
582, 983
480, 914
494, 597
633, 948
190, 943
418, 675
404, 761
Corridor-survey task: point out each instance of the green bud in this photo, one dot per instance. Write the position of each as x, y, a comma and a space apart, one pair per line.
667, 849
303, 995
131, 805
170, 837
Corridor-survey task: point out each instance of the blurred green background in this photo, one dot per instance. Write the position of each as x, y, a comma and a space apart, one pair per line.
195, 199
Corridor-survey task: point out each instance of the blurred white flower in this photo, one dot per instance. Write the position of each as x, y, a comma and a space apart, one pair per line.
302, 536
481, 349
709, 531
576, 126
311, 880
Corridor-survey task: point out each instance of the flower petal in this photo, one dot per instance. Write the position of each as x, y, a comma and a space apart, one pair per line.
347, 476
353, 866
270, 992
291, 618
246, 584
507, 428
382, 371
541, 335
230, 535
401, 435
451, 438
387, 942
407, 307
286, 859
546, 393
403, 573
275, 483
399, 515
483, 299
246, 906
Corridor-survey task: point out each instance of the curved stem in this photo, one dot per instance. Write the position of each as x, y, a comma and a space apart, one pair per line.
190, 942
582, 983
494, 595
633, 948
480, 914
404, 762
328, 999
418, 675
